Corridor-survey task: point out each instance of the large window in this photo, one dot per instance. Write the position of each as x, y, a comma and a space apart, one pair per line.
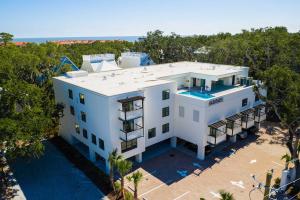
151, 133
129, 145
165, 94
72, 111
83, 116
70, 93
81, 98
84, 133
165, 128
181, 111
195, 115
101, 144
165, 112
244, 102
77, 128
128, 106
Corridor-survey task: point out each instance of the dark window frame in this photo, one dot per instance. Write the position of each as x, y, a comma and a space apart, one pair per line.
83, 116
151, 134
166, 111
244, 102
77, 128
94, 139
128, 145
101, 144
72, 110
165, 128
81, 98
70, 92
85, 133
166, 94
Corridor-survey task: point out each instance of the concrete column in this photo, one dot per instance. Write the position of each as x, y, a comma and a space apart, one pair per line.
233, 139
92, 155
201, 152
107, 166
173, 142
139, 157
257, 124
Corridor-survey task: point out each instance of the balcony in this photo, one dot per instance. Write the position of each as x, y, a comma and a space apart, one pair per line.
131, 114
130, 134
217, 133
248, 118
260, 113
234, 125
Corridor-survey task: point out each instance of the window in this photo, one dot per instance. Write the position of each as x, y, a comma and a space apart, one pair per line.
256, 98
165, 128
129, 145
84, 133
151, 133
165, 94
101, 144
195, 115
165, 112
72, 111
181, 111
83, 116
81, 98
94, 141
244, 102
77, 128
128, 106
70, 93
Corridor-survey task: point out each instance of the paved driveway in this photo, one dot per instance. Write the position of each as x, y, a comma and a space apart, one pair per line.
175, 175
53, 177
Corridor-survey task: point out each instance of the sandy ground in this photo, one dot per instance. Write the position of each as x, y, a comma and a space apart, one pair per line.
175, 175
53, 177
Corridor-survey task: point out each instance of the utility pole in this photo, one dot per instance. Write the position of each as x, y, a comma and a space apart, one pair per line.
268, 185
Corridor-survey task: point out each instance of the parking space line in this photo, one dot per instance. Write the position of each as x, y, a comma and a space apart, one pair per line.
150, 173
182, 195
278, 164
169, 181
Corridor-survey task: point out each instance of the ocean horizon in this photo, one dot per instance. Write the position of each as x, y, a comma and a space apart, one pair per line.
49, 39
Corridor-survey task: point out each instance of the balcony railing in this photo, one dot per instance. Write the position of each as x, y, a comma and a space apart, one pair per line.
131, 114
216, 138
136, 132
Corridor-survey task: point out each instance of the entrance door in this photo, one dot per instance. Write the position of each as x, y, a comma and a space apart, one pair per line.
194, 82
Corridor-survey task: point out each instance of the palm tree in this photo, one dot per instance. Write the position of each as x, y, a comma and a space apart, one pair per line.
124, 167
287, 159
136, 177
113, 160
226, 195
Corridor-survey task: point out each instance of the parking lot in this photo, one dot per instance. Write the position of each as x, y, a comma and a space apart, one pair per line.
175, 175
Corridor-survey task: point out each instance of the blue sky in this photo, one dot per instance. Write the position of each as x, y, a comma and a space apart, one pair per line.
62, 18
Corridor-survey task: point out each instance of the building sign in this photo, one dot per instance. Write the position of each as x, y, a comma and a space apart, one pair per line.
215, 101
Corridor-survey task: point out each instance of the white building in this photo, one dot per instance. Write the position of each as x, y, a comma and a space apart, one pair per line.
134, 59
131, 109
99, 63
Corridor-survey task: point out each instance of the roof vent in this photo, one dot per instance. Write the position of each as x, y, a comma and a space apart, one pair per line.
104, 78
113, 74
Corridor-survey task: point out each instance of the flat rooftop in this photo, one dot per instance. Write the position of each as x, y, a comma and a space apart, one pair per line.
110, 83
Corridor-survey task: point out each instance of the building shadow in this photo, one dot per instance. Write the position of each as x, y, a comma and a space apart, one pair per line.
174, 164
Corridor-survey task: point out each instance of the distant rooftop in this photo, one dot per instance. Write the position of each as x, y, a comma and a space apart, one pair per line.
121, 81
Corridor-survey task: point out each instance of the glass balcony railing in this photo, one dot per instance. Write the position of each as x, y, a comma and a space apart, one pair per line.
131, 114
130, 134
